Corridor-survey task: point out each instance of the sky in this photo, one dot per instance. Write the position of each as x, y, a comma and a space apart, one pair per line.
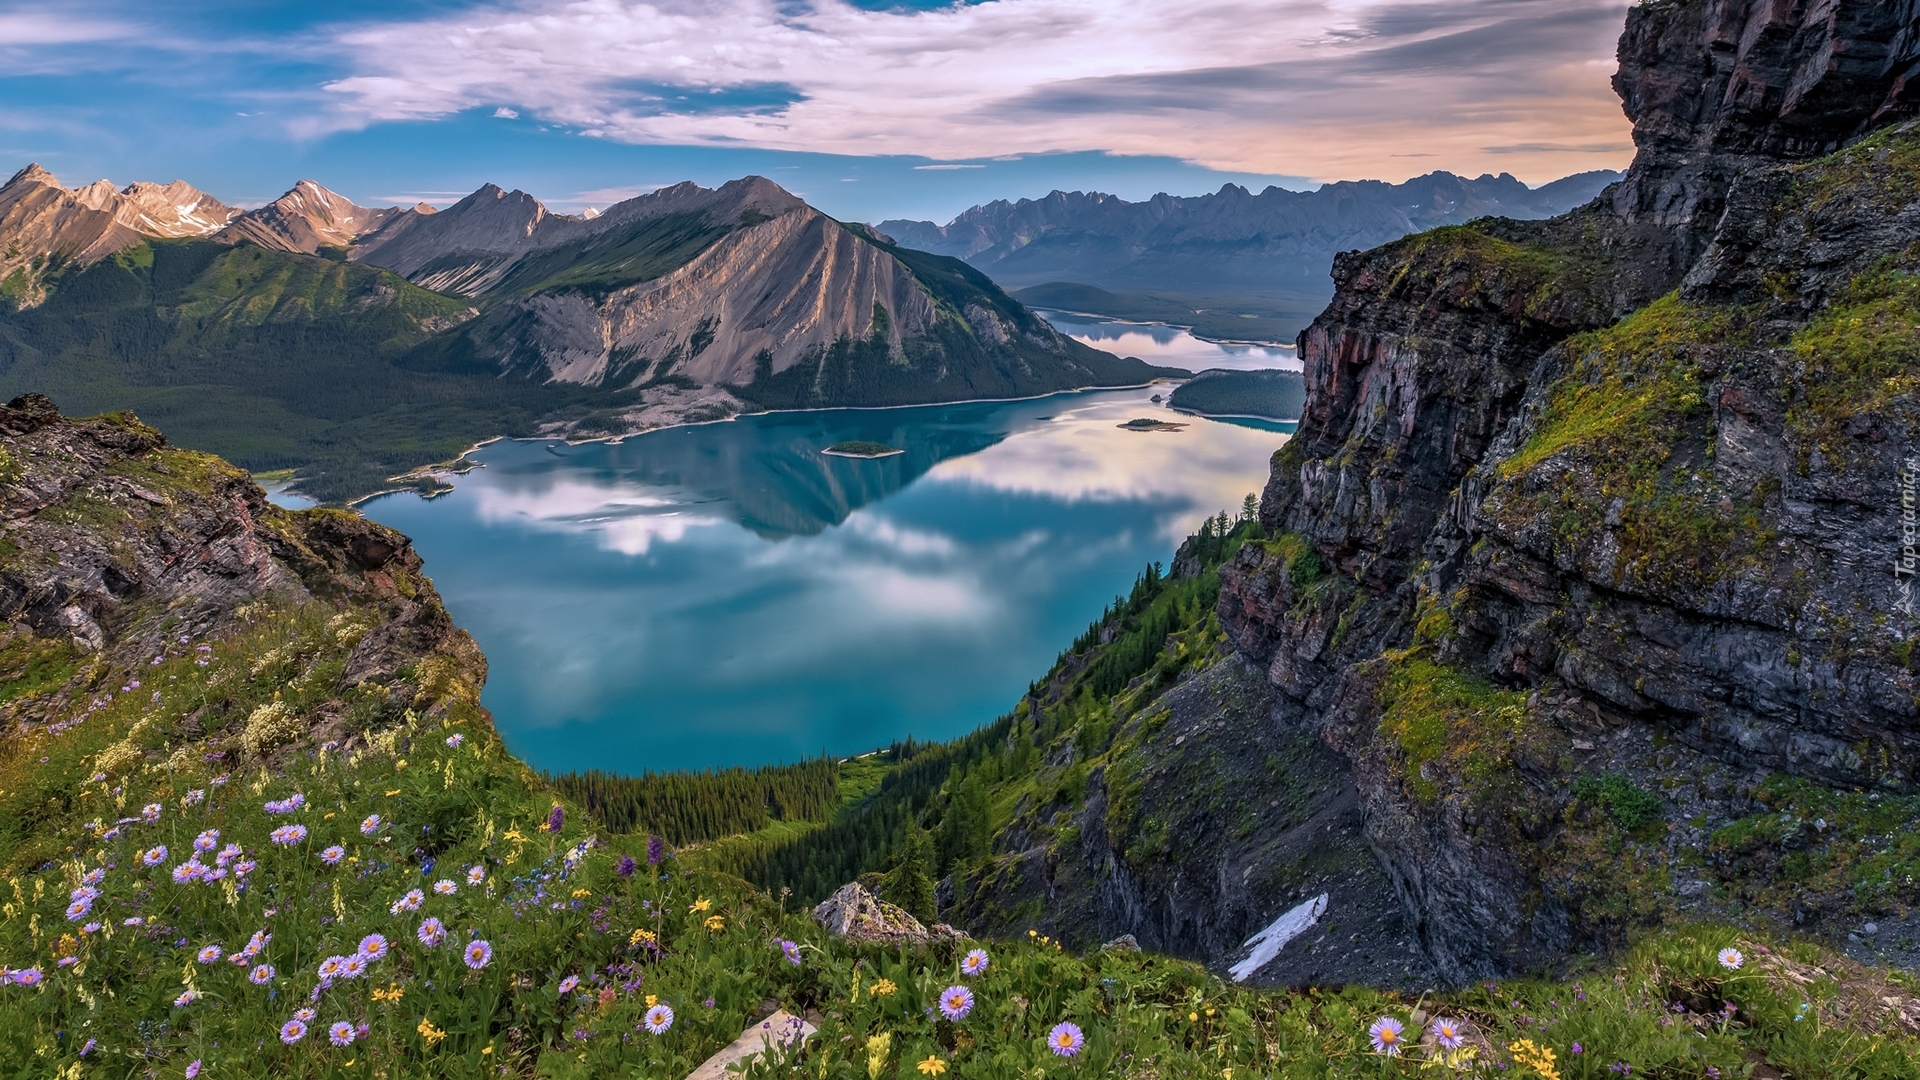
870, 109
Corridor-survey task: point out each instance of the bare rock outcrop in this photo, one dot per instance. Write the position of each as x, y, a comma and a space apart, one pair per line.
856, 914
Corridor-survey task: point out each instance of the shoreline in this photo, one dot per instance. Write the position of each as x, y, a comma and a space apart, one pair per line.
1234, 416
616, 439
1292, 346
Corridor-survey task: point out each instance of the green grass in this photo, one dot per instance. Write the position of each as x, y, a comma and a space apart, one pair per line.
1440, 716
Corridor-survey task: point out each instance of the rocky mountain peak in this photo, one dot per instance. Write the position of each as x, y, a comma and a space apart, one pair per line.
34, 173
307, 218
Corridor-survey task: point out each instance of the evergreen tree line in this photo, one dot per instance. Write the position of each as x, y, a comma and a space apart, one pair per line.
866, 839
689, 807
933, 813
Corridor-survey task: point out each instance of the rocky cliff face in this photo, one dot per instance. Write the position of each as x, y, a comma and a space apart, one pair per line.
114, 546
1555, 532
1588, 563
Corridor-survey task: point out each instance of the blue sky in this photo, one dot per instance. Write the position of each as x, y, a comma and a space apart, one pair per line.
868, 110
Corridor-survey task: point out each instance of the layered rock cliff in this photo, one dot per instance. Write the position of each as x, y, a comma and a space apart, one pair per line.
115, 547
1588, 563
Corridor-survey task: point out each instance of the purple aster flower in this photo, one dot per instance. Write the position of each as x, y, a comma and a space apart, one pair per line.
154, 855
454, 740
478, 954
353, 966
88, 1048
79, 909
371, 825
1385, 1034
1066, 1039
956, 1002
659, 1019
373, 946
150, 813
332, 855
975, 962
332, 966
409, 902
28, 977
187, 997
288, 835
261, 975
431, 933
1449, 1033
1731, 959
341, 1034
445, 887
206, 840
567, 984
210, 954
292, 1032
789, 950
193, 1068
476, 874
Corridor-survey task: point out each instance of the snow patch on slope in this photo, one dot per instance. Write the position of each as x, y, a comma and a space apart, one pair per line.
1267, 943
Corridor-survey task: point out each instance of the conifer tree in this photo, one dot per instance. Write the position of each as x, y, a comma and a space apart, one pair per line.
909, 883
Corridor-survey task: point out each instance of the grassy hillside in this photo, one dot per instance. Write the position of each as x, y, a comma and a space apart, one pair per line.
272, 360
293, 769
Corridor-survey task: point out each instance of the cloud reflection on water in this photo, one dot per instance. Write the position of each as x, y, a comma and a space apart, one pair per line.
640, 608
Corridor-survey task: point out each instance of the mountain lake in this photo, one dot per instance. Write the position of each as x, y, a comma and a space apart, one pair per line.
725, 594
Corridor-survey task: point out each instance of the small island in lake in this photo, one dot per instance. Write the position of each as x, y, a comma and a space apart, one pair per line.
862, 449
1147, 423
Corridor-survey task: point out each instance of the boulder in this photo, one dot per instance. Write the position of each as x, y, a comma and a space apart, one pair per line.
854, 913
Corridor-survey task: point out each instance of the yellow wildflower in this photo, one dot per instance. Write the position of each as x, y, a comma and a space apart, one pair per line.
401, 764
1535, 1057
582, 894
430, 1033
392, 992
485, 1050
642, 937
933, 1066
514, 835
1193, 1017
652, 1000
395, 791
878, 1047
700, 905
884, 987
715, 922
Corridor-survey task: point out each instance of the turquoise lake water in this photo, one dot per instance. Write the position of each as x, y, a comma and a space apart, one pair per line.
725, 594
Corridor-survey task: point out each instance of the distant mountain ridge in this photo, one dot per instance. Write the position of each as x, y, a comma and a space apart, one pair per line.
355, 342
1268, 252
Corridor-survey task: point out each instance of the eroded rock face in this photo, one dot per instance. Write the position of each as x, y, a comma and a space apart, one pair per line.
115, 542
1512, 526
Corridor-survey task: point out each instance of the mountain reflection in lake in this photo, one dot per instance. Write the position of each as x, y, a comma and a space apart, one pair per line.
1171, 346
725, 594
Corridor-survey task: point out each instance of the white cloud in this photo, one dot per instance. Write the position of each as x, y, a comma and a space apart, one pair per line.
1322, 87
504, 113
620, 517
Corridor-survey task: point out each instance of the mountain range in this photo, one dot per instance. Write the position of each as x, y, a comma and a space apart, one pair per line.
354, 343
1233, 263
